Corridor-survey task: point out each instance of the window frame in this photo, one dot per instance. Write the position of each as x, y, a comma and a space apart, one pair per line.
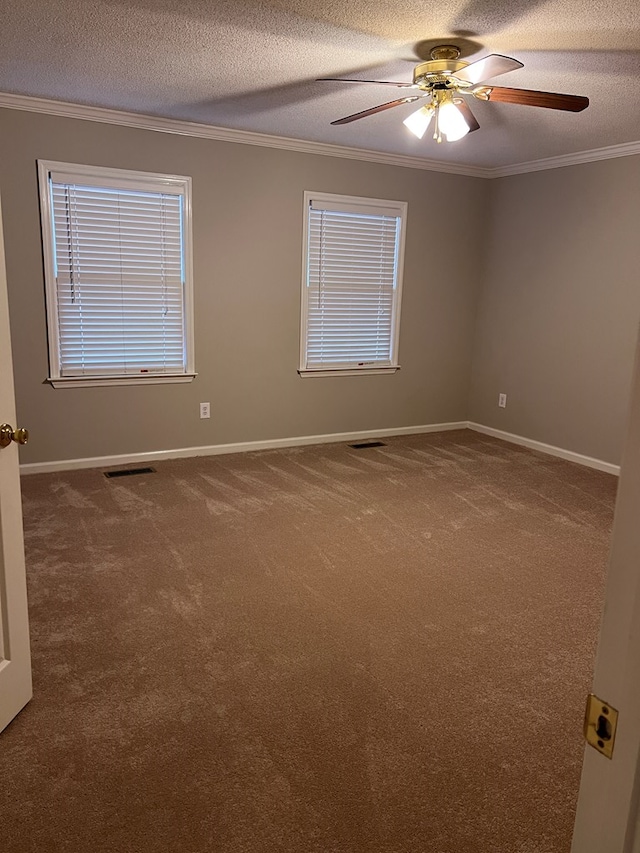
366, 203
124, 179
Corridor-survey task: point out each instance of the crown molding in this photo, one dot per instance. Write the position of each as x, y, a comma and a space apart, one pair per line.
224, 134
159, 124
626, 149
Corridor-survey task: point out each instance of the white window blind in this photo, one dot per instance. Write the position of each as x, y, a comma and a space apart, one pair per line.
119, 276
351, 303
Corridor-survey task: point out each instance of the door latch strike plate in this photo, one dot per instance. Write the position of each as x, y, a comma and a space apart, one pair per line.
600, 723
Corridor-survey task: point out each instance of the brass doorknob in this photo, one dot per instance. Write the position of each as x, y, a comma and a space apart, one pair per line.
9, 434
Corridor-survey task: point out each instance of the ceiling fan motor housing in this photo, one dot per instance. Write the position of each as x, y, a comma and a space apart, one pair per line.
443, 65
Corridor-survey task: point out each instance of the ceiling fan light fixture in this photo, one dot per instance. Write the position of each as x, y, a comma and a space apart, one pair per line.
419, 121
451, 122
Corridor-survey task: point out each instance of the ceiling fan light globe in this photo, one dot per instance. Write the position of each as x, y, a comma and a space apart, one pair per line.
452, 122
419, 121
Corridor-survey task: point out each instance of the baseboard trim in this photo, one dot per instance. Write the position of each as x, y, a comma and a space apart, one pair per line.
299, 441
569, 455
238, 447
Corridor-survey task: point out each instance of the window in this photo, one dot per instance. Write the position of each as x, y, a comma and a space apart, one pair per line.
352, 279
117, 252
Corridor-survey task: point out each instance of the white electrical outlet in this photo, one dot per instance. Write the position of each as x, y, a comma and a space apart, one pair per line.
502, 401
205, 410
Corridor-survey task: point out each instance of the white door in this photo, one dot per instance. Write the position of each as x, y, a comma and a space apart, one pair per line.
15, 660
607, 816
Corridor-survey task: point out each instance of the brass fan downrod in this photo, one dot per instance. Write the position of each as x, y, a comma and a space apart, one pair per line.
445, 51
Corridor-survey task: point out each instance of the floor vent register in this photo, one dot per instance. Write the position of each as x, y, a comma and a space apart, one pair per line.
128, 472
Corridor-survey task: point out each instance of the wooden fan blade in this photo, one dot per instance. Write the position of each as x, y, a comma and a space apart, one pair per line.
467, 114
485, 69
549, 100
378, 82
375, 110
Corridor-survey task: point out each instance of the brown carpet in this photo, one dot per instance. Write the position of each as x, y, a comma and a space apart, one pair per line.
315, 650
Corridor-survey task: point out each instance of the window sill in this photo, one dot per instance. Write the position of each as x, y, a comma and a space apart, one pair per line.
96, 381
348, 371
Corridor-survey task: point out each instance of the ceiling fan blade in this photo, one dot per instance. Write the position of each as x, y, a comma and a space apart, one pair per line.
379, 109
485, 69
550, 100
378, 82
468, 116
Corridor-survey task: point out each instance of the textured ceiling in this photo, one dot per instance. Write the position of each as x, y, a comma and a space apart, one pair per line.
252, 65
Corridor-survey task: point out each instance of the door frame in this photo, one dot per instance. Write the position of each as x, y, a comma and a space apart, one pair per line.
607, 814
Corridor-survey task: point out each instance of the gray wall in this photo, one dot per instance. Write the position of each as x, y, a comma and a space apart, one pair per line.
534, 293
247, 212
558, 314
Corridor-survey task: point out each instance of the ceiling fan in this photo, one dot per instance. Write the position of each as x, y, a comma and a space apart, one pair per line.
444, 78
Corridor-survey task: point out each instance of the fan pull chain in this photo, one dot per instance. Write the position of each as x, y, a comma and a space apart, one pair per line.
436, 131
